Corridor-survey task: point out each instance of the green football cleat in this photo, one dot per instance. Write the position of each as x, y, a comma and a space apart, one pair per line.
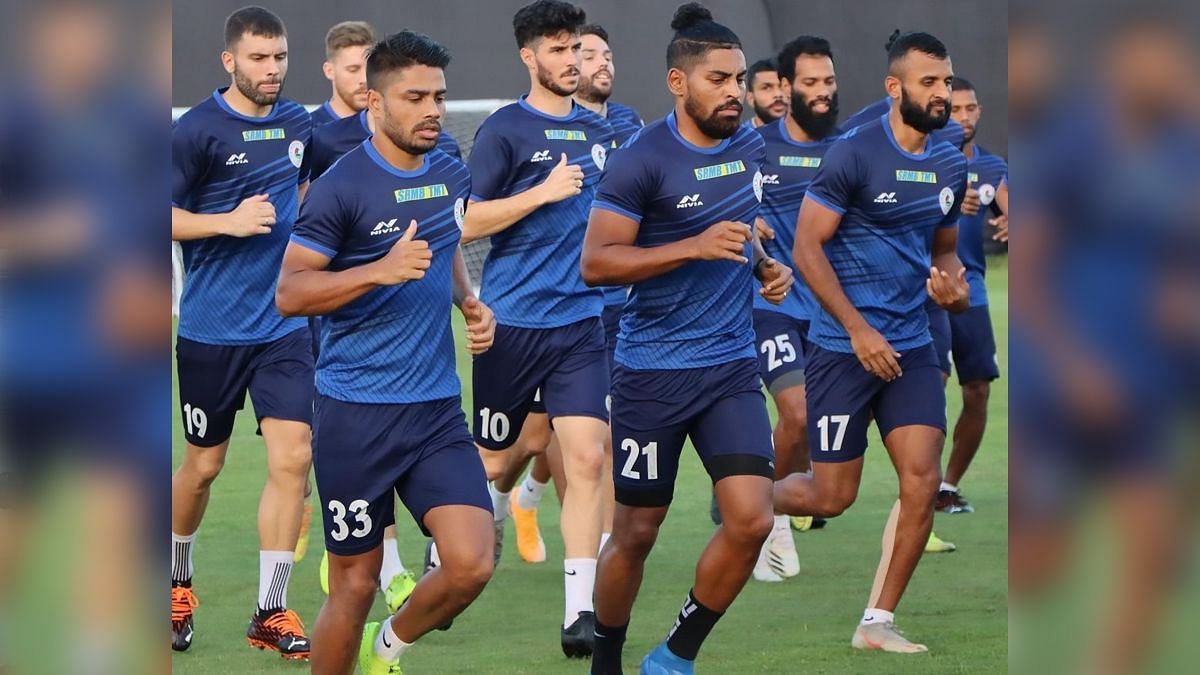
369, 662
398, 589
324, 573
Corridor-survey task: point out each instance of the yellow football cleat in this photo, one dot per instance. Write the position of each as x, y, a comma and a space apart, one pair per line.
530, 545
369, 662
398, 589
936, 545
802, 523
324, 573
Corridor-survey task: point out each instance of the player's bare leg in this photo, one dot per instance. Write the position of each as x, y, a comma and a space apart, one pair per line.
828, 491
778, 559
338, 629
289, 456
191, 486
554, 465
623, 560
968, 431
726, 563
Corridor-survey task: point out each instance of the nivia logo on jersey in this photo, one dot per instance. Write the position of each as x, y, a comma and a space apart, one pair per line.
419, 193
719, 170
385, 227
907, 176
237, 158
804, 162
541, 156
263, 135
688, 201
565, 135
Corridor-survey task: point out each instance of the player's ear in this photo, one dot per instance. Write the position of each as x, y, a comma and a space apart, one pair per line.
891, 84
527, 57
227, 61
785, 85
676, 82
327, 68
375, 102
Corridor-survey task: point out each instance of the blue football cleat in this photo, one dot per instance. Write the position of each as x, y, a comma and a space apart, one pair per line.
662, 661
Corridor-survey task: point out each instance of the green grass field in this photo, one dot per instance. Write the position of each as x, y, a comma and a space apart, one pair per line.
956, 603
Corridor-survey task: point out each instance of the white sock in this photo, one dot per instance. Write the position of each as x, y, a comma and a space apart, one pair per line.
499, 502
948, 486
387, 646
274, 569
579, 578
181, 557
531, 493
604, 539
873, 615
392, 566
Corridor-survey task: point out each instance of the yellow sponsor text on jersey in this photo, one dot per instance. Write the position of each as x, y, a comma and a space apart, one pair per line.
718, 170
906, 176
795, 160
423, 192
263, 135
565, 135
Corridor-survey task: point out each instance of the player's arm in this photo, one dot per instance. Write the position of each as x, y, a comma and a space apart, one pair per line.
776, 279
947, 283
307, 288
610, 257
1001, 221
302, 190
485, 218
255, 215
480, 322
815, 226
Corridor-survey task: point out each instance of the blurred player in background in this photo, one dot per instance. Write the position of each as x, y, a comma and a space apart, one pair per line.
376, 253
674, 217
763, 93
534, 167
884, 192
345, 67
795, 145
238, 177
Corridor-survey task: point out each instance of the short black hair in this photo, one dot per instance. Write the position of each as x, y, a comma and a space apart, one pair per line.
403, 50
695, 35
805, 44
546, 18
925, 43
961, 84
593, 29
759, 66
255, 21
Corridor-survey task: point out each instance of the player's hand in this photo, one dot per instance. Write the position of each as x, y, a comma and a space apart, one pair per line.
1001, 225
565, 181
255, 215
407, 261
875, 354
776, 280
481, 325
971, 203
764, 230
725, 240
948, 292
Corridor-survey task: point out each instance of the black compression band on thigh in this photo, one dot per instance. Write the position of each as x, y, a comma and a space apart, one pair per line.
724, 466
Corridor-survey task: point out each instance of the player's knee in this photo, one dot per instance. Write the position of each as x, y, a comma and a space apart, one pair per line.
292, 460
206, 466
586, 464
752, 527
835, 504
636, 538
975, 396
467, 576
920, 486
356, 583
796, 419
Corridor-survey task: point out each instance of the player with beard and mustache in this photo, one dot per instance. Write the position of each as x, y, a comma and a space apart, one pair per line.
534, 168
239, 170
376, 253
884, 192
673, 216
345, 67
764, 94
795, 145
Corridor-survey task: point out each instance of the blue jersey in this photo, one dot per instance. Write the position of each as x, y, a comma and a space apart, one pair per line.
891, 202
219, 157
625, 122
789, 168
393, 344
322, 116
986, 172
335, 139
699, 314
531, 276
952, 133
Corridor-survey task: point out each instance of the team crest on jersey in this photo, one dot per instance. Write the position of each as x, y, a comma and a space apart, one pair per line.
565, 135
719, 170
296, 153
460, 211
599, 155
758, 183
946, 200
263, 135
987, 193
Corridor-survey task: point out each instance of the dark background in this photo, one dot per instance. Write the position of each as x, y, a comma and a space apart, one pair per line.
479, 36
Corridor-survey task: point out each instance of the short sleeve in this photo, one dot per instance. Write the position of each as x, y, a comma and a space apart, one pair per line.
625, 186
490, 164
837, 179
323, 220
188, 163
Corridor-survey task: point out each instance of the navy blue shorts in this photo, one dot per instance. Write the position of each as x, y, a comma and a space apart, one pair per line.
843, 397
364, 453
782, 341
214, 379
974, 345
721, 408
568, 364
939, 327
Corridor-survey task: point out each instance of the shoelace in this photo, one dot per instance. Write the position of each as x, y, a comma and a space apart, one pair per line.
183, 601
286, 622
